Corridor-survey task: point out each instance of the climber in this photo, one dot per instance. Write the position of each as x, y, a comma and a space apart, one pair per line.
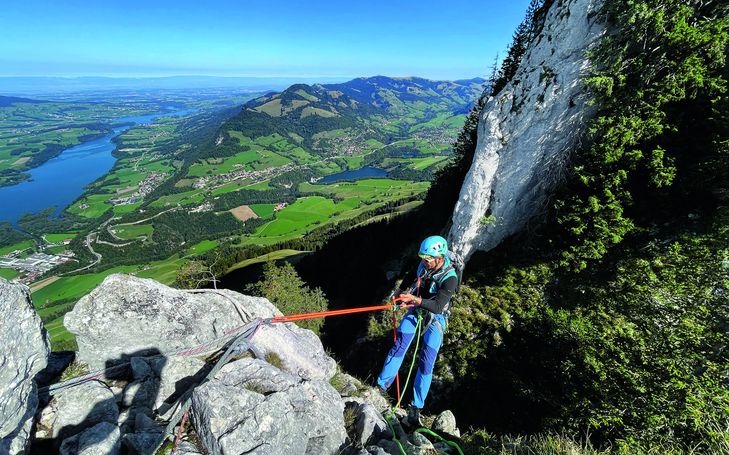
436, 283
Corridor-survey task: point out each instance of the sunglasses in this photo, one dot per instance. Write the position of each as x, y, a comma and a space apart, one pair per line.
427, 257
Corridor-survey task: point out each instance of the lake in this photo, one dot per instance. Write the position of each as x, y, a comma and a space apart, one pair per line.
60, 181
366, 172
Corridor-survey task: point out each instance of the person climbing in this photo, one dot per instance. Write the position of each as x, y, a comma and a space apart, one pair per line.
437, 281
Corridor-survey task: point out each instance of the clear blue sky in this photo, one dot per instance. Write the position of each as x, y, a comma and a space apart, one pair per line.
440, 40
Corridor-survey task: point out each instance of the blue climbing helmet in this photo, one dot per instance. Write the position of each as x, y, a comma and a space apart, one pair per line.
435, 246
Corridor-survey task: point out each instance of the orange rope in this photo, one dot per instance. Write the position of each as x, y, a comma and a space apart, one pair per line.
323, 314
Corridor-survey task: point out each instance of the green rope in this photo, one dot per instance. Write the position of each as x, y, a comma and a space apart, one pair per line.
418, 326
440, 438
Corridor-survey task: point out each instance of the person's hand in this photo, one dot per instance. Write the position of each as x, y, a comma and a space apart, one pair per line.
409, 299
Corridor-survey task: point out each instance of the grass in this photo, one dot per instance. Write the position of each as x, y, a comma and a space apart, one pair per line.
96, 203
230, 164
133, 231
25, 244
263, 210
8, 274
202, 247
275, 256
58, 238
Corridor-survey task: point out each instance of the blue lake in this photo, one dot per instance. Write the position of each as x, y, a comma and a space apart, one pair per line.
366, 172
59, 181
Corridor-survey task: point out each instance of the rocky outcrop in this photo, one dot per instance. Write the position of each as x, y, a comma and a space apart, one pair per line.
286, 400
144, 315
25, 351
253, 407
526, 131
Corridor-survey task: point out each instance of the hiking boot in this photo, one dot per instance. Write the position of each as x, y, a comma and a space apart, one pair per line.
412, 419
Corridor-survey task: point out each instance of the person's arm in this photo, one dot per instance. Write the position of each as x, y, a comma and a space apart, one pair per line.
438, 303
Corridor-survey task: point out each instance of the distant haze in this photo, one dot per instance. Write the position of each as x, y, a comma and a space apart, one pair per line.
50, 85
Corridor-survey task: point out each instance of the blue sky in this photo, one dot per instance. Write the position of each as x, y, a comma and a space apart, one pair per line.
440, 40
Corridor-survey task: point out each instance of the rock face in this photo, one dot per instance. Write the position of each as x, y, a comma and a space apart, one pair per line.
25, 351
146, 315
526, 132
253, 407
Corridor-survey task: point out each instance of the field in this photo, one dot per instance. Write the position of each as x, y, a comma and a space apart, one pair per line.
18, 246
311, 212
275, 256
224, 165
132, 231
58, 238
243, 213
263, 210
8, 274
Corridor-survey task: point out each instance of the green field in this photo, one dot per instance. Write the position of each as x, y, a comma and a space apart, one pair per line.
58, 238
263, 210
224, 165
133, 231
202, 247
18, 246
275, 256
8, 274
91, 206
186, 198
369, 190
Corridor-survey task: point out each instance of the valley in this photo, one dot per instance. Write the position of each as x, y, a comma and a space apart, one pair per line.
283, 173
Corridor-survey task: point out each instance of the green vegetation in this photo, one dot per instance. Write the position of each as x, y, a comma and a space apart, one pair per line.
58, 238
285, 289
8, 274
275, 256
263, 210
132, 231
18, 246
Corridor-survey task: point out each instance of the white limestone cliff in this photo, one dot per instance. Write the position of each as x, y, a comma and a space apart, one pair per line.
526, 132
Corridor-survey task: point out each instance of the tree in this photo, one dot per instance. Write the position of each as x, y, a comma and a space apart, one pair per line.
285, 289
197, 273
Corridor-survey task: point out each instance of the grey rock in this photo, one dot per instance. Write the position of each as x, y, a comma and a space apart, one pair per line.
422, 443
370, 426
526, 132
175, 375
390, 447
446, 422
25, 351
377, 450
78, 408
186, 448
253, 407
145, 315
442, 447
103, 438
374, 397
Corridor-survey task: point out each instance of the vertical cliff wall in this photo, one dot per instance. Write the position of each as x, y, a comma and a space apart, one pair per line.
526, 131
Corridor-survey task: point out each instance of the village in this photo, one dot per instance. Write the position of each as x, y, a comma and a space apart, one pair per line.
35, 264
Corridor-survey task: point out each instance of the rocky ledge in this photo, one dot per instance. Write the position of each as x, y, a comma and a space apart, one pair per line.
283, 396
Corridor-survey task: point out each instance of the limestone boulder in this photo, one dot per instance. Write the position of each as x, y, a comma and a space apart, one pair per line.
25, 351
253, 407
146, 316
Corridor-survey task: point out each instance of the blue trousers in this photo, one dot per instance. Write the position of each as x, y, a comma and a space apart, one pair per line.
432, 340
